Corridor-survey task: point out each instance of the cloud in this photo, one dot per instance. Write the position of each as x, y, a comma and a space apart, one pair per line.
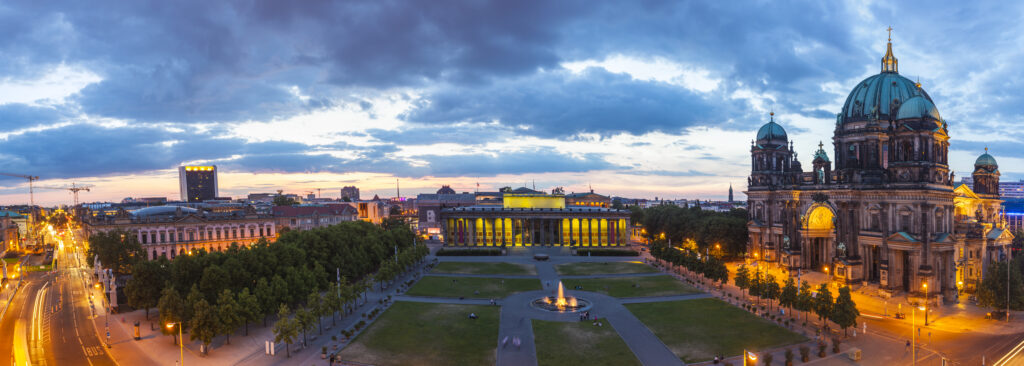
15, 116
522, 162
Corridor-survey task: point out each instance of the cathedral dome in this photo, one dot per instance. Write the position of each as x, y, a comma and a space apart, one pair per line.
986, 161
918, 107
772, 134
878, 96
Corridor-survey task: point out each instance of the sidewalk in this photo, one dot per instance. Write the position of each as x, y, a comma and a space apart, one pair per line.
957, 317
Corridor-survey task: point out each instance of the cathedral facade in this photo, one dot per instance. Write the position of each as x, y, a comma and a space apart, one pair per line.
886, 210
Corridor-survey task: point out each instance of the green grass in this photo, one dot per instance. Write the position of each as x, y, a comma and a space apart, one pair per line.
489, 268
639, 286
579, 343
11, 261
497, 288
594, 268
411, 333
47, 267
697, 330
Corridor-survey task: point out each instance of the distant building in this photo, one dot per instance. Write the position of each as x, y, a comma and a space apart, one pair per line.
146, 200
1007, 190
311, 217
532, 219
429, 206
198, 183
730, 192
588, 199
350, 192
169, 231
10, 232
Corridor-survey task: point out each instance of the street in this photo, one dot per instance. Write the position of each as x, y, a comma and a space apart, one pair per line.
49, 322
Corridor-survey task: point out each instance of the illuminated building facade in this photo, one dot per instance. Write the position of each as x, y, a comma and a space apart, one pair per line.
169, 231
885, 211
198, 183
588, 199
532, 220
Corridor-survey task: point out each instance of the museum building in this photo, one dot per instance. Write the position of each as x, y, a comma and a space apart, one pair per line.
533, 219
886, 212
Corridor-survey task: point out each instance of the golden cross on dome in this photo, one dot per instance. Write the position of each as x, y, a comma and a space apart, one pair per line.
821, 146
890, 33
986, 149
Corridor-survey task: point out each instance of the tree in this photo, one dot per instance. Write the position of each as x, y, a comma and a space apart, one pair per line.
771, 289
304, 318
116, 249
788, 297
230, 315
845, 313
285, 329
282, 200
248, 308
992, 291
318, 307
145, 286
823, 303
190, 302
171, 310
805, 299
266, 298
757, 285
742, 279
204, 324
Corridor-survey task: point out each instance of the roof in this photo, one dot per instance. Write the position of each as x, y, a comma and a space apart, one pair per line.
493, 208
918, 107
873, 97
525, 190
995, 233
162, 210
584, 194
820, 154
11, 214
772, 133
294, 211
986, 160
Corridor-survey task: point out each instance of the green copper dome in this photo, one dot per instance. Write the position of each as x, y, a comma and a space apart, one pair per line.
987, 161
772, 134
918, 107
879, 96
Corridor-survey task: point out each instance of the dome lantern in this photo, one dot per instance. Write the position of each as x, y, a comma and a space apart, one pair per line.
889, 62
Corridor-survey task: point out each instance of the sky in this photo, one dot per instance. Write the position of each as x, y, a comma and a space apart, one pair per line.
632, 98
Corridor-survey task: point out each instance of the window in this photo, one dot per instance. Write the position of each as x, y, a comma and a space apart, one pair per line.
145, 238
163, 237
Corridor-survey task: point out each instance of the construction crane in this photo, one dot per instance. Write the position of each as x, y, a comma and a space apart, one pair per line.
74, 189
32, 202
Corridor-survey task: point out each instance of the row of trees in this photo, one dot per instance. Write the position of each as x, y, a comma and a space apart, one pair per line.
298, 270
706, 228
710, 267
992, 292
842, 311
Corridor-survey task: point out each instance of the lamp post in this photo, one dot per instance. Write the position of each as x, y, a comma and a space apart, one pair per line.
181, 342
749, 358
925, 285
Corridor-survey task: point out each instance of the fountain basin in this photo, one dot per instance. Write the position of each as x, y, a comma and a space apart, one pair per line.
567, 305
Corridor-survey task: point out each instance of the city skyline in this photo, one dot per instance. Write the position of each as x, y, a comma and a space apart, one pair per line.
658, 103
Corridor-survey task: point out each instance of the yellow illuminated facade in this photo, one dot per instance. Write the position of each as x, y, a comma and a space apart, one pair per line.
198, 168
532, 220
533, 201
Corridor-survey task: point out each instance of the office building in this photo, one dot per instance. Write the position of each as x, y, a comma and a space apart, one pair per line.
198, 183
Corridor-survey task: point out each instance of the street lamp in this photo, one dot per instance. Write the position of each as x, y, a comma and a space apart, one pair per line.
925, 285
181, 343
749, 358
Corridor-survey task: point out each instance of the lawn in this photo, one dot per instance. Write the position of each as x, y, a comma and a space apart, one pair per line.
488, 268
411, 333
595, 268
579, 343
697, 330
639, 286
488, 288
42, 268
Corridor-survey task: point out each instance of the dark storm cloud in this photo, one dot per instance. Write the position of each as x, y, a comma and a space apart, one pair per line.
14, 116
523, 162
563, 104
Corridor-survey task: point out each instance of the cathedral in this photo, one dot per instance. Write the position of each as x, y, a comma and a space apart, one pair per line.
886, 214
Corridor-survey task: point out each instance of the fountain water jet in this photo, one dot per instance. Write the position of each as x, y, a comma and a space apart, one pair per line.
561, 303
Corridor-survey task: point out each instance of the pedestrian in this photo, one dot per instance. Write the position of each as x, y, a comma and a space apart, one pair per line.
908, 346
504, 342
865, 331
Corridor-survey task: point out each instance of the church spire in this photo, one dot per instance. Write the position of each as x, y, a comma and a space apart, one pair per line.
889, 62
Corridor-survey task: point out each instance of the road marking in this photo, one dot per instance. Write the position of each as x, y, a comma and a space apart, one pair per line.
1010, 355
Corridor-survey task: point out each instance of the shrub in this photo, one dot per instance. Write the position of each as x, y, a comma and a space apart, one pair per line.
467, 251
789, 357
805, 353
767, 358
835, 345
821, 349
606, 252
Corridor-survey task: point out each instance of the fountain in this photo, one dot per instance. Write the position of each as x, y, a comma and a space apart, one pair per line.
560, 303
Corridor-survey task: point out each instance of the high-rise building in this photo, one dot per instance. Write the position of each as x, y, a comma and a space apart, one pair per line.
352, 192
198, 183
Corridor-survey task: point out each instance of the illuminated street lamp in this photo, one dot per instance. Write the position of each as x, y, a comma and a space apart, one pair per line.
749, 358
925, 285
181, 343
